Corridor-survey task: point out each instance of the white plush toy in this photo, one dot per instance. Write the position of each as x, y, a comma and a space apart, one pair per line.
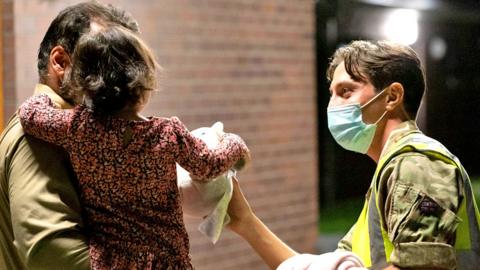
208, 200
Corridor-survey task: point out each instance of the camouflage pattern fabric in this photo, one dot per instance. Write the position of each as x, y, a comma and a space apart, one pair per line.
418, 197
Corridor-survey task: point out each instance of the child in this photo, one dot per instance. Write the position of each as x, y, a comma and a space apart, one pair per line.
125, 162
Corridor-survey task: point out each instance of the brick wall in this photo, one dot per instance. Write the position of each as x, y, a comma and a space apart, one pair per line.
248, 63
8, 58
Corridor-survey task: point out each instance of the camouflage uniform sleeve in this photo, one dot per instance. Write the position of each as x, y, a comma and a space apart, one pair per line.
345, 244
421, 197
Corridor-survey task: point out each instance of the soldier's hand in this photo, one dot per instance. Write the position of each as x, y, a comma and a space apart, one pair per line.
239, 210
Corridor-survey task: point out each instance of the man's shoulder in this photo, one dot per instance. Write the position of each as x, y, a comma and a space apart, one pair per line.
424, 174
417, 165
424, 153
15, 142
11, 136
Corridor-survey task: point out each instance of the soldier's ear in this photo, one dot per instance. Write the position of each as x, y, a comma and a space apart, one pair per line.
394, 96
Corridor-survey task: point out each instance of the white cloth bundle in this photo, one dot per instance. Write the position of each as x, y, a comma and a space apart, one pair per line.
207, 200
338, 260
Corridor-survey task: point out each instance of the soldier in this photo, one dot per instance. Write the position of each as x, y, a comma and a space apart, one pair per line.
419, 211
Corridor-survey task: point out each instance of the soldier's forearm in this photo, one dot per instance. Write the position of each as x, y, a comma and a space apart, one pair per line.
272, 250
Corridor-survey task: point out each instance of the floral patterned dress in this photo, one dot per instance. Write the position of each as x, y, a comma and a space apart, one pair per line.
127, 177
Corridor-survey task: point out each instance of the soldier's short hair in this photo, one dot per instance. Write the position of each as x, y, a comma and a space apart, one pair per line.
383, 63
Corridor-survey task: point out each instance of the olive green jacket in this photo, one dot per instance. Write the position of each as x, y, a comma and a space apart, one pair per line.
40, 216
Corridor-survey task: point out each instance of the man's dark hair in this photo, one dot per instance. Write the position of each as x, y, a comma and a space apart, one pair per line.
383, 63
72, 22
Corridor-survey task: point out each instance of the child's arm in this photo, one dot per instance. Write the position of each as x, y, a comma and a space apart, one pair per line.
203, 163
41, 119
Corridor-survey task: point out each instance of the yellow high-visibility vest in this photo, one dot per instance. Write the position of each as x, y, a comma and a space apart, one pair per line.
370, 239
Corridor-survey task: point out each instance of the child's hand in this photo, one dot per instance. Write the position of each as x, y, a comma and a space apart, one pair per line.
243, 162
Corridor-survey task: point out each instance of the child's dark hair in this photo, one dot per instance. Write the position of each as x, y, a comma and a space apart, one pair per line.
72, 22
111, 68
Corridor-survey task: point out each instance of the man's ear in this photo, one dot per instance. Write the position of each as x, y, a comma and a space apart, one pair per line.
394, 96
59, 61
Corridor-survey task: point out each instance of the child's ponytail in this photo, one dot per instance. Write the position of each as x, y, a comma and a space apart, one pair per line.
111, 69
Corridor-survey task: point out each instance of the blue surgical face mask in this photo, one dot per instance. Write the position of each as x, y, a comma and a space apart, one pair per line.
348, 129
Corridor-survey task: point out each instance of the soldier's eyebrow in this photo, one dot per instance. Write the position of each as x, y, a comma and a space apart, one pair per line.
342, 84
